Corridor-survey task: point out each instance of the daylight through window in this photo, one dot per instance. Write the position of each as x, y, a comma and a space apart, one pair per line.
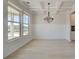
13, 23
17, 23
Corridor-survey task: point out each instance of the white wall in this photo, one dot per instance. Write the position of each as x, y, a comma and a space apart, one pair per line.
54, 30
11, 46
68, 26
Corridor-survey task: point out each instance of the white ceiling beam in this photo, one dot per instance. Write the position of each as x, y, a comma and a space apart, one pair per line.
59, 4
42, 4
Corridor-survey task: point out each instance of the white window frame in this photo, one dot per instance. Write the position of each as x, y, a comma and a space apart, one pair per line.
21, 12
24, 23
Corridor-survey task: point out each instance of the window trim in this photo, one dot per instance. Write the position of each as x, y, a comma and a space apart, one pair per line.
14, 6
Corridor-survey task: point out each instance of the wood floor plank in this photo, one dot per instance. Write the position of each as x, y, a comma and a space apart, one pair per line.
45, 49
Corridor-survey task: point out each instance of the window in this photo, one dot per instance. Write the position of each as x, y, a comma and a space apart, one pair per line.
25, 24
13, 23
18, 22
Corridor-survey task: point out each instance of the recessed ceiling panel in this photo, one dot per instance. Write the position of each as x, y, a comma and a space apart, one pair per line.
42, 5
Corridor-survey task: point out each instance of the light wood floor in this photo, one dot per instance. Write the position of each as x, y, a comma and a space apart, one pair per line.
45, 49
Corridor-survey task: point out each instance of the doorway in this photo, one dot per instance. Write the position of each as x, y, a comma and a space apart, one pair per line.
72, 25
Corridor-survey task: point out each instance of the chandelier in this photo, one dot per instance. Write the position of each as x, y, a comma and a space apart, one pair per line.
49, 18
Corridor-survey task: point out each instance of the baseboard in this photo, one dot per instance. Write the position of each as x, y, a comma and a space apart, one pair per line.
49, 38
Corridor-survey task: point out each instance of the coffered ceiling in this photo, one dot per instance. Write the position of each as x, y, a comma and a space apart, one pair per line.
41, 6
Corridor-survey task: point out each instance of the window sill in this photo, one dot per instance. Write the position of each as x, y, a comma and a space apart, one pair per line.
14, 39
17, 38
